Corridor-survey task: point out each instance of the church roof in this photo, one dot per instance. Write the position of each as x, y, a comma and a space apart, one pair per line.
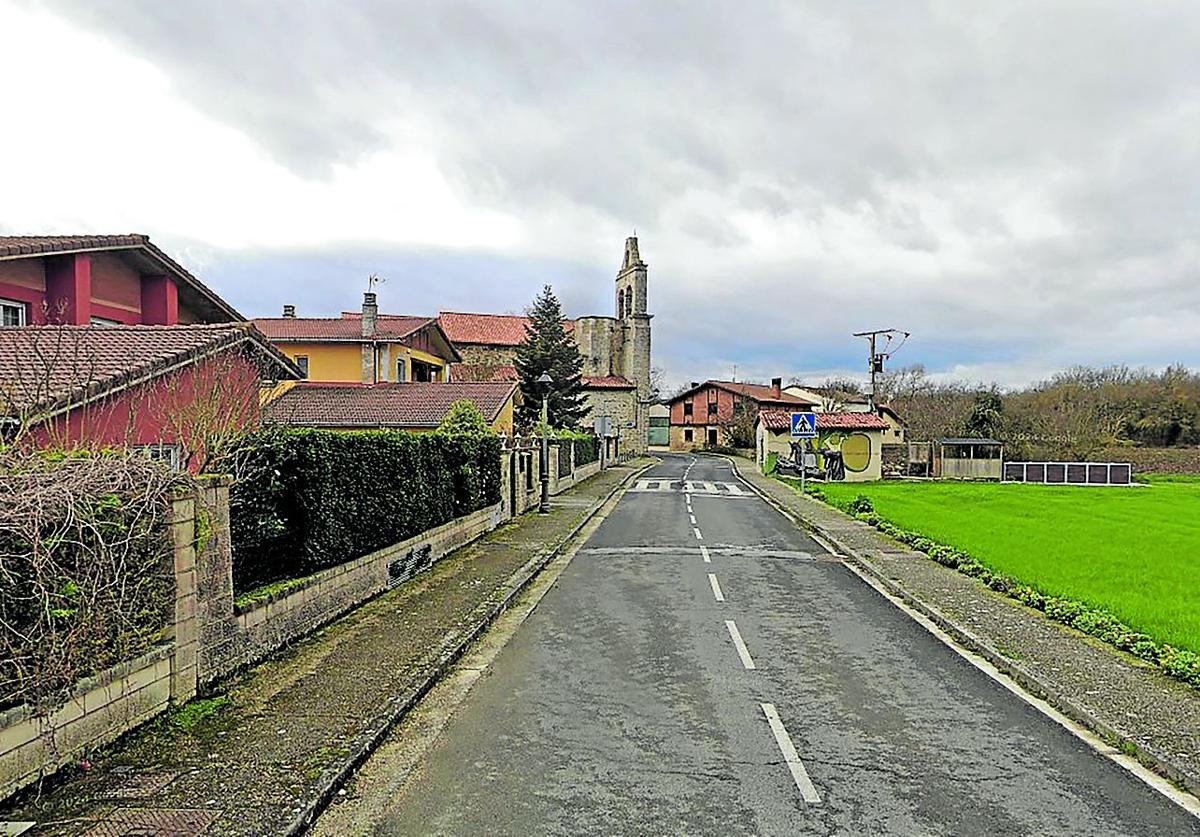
487, 329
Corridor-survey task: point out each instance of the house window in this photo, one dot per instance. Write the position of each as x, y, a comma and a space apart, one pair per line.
12, 313
712, 409
687, 409
302, 362
688, 434
401, 370
168, 454
712, 437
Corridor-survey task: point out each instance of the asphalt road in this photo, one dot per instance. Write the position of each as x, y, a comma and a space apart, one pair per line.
625, 704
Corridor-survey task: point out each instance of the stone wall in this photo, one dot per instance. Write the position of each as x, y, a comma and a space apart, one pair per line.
211, 638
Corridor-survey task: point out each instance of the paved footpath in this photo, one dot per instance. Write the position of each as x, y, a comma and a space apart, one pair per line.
258, 765
702, 666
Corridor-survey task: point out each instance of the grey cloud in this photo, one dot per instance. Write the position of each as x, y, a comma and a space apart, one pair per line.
624, 110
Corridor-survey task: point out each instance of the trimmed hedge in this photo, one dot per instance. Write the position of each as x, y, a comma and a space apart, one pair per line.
304, 500
587, 450
1178, 663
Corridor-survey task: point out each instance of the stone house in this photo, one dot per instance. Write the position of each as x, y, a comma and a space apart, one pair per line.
615, 350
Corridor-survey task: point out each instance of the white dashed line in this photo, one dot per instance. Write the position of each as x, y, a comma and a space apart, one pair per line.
699, 537
692, 517
743, 651
716, 588
799, 774
704, 552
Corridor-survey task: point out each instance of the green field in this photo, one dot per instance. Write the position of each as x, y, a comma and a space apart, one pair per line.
1132, 551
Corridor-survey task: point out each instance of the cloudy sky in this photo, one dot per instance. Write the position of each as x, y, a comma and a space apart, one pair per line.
1017, 184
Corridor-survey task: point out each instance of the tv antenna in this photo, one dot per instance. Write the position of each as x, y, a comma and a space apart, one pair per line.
373, 280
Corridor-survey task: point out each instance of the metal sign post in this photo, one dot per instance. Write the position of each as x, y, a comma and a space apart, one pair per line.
804, 426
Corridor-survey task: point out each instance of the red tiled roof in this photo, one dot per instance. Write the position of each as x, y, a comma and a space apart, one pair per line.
607, 382
315, 404
483, 372
54, 367
756, 392
850, 421
782, 420
487, 329
389, 326
24, 246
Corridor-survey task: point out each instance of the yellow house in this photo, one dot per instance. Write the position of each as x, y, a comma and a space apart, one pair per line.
398, 406
366, 347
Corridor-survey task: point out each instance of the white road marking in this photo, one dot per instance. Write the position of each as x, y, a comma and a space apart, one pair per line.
692, 517
799, 774
743, 651
699, 537
704, 552
711, 488
716, 588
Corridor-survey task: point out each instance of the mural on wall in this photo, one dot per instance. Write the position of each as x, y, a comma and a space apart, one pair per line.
855, 449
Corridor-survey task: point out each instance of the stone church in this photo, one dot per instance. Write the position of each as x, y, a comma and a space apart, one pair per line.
615, 350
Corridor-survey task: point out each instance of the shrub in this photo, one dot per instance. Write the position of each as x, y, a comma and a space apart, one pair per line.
86, 568
464, 418
304, 500
861, 505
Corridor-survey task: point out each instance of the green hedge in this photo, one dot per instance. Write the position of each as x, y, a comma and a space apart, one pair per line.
304, 500
587, 449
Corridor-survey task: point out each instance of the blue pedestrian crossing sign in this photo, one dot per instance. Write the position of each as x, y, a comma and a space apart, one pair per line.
804, 425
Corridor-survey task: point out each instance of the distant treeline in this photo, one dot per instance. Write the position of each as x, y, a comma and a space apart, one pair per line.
1075, 414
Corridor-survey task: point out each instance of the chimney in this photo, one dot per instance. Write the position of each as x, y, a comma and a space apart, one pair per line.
370, 314
289, 311
777, 388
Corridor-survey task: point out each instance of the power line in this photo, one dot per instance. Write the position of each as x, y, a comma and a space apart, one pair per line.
878, 355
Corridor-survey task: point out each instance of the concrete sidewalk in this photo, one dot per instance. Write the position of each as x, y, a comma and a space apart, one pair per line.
1126, 701
266, 752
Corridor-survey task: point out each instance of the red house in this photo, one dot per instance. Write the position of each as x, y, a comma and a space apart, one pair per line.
175, 392
100, 280
703, 415
105, 341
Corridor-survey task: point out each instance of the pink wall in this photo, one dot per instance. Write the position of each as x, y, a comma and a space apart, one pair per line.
169, 410
90, 284
700, 401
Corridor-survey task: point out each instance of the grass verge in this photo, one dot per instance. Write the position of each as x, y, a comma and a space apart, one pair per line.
1116, 563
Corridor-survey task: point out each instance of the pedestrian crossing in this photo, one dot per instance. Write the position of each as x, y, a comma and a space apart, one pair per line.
718, 489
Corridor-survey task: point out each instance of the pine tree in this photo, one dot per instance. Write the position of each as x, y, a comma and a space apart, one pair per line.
548, 348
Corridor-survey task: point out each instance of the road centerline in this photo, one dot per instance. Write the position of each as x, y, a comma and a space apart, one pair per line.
742, 650
716, 587
696, 532
803, 783
704, 554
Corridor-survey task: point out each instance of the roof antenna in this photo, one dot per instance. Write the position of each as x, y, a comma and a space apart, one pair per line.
373, 280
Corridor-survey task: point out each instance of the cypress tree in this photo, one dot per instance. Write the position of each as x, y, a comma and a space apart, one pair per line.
548, 348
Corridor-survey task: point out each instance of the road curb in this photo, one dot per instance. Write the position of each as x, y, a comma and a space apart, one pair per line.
1028, 680
333, 779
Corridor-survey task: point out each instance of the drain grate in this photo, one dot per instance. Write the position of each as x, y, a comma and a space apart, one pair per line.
141, 786
153, 822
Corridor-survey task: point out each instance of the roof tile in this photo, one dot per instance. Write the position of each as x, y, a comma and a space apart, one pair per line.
314, 404
487, 329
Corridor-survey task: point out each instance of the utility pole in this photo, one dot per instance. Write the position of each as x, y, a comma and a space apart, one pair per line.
876, 357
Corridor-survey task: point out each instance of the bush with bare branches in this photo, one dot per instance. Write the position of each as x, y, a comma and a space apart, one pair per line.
86, 571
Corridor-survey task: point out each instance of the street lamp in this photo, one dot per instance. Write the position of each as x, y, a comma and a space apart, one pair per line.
544, 381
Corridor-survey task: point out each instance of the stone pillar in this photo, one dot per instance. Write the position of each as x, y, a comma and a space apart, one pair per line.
214, 581
186, 630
